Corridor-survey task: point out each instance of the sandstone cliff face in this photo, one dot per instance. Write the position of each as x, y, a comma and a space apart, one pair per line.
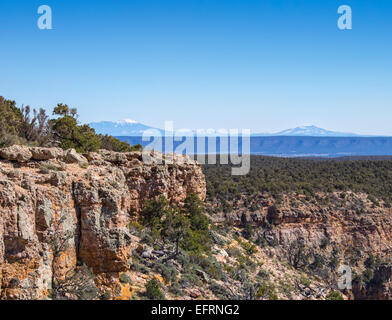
59, 208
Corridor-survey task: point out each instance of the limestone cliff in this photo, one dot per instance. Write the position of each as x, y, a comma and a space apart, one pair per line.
58, 208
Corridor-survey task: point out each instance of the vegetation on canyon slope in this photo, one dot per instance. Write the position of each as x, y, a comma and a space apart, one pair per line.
355, 190
229, 262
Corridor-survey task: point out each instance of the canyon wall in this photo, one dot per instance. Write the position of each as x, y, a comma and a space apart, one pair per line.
320, 234
59, 209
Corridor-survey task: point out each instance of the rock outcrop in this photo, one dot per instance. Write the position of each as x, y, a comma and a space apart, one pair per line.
46, 153
58, 209
16, 153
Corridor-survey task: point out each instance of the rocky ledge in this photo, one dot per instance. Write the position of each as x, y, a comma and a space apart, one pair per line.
58, 208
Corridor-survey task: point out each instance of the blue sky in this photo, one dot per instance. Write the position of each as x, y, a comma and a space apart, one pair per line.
263, 65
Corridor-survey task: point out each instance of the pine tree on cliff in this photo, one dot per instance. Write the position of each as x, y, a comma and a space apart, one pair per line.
82, 138
65, 128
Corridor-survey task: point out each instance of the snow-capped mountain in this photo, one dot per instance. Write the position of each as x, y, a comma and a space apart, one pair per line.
126, 127
129, 127
313, 131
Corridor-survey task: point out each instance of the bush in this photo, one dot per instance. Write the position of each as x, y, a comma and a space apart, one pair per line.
210, 265
124, 278
106, 296
334, 295
318, 263
304, 280
112, 144
196, 241
10, 122
153, 291
46, 168
147, 238
18, 126
249, 248
248, 232
183, 259
187, 229
368, 275
220, 291
234, 252
168, 272
189, 279
198, 237
153, 211
175, 289
65, 128
266, 291
14, 282
216, 238
78, 284
194, 207
135, 227
140, 268
261, 241
240, 275
263, 274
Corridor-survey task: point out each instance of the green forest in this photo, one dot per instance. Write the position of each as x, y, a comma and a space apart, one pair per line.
276, 176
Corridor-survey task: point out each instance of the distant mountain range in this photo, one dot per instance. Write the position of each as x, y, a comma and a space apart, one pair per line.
306, 141
130, 127
127, 127
292, 146
312, 131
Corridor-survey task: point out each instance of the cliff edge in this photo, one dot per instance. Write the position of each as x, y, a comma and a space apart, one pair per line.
60, 208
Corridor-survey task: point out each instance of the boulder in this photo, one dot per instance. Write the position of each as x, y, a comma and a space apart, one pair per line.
71, 156
194, 293
148, 254
46, 153
113, 157
16, 153
94, 156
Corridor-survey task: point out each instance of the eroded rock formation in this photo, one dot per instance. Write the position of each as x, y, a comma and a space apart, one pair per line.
323, 233
60, 208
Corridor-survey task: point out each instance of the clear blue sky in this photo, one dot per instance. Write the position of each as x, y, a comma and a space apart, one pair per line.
263, 65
